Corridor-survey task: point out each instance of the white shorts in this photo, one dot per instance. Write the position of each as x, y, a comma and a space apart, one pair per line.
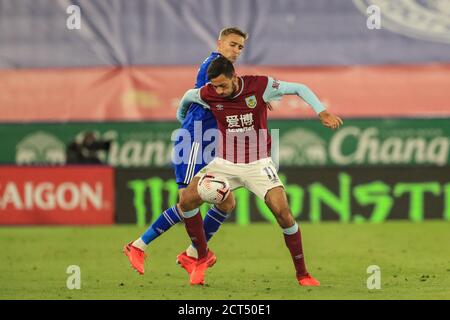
259, 176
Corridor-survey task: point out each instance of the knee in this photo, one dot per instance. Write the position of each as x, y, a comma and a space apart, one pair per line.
285, 218
282, 214
183, 205
187, 202
228, 205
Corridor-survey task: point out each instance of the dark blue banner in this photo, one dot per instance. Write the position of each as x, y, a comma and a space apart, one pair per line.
53, 33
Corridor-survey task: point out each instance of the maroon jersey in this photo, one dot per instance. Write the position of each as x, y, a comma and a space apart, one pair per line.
242, 120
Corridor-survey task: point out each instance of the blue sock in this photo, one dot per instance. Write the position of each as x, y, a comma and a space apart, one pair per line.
165, 221
213, 220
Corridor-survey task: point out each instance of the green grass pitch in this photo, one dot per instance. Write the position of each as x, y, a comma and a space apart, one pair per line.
253, 263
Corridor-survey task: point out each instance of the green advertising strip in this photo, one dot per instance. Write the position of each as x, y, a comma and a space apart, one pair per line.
134, 144
371, 194
360, 142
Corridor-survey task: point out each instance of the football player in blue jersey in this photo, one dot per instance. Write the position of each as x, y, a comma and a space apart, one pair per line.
196, 122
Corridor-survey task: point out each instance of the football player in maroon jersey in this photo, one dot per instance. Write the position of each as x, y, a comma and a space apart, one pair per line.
239, 105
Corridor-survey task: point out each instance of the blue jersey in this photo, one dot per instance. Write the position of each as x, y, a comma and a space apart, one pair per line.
196, 111
185, 171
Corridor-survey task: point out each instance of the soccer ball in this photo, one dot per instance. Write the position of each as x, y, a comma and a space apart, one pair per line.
213, 188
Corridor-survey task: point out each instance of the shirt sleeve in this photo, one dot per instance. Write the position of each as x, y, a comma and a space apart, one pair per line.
191, 96
275, 90
202, 76
200, 79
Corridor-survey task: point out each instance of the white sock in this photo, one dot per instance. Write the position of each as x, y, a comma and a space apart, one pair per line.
138, 243
192, 252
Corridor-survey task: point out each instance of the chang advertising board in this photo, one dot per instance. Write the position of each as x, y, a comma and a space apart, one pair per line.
366, 142
132, 144
56, 195
315, 194
302, 143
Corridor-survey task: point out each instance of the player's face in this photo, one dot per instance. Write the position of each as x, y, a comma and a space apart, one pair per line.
225, 87
230, 46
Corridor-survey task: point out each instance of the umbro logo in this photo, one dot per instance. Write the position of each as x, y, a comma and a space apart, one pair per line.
219, 107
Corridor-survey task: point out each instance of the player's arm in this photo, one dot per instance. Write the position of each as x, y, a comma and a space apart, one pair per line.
191, 96
202, 79
277, 89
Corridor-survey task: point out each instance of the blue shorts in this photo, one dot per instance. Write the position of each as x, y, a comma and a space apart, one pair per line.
194, 160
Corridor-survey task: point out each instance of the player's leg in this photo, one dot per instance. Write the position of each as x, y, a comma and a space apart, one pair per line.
191, 199
135, 250
277, 201
165, 221
171, 216
214, 218
262, 179
188, 205
216, 215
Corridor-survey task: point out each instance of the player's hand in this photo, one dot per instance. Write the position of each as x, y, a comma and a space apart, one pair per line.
330, 120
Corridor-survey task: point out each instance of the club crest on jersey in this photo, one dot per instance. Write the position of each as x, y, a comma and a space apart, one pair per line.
219, 107
251, 102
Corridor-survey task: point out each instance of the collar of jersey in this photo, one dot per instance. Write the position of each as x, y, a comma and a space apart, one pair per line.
242, 88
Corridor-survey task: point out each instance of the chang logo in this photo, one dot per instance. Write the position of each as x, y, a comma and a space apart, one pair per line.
40, 148
302, 147
424, 19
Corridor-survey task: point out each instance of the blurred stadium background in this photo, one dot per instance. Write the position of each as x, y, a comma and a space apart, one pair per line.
120, 77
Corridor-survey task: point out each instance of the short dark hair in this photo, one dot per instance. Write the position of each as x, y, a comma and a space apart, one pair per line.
233, 30
220, 65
